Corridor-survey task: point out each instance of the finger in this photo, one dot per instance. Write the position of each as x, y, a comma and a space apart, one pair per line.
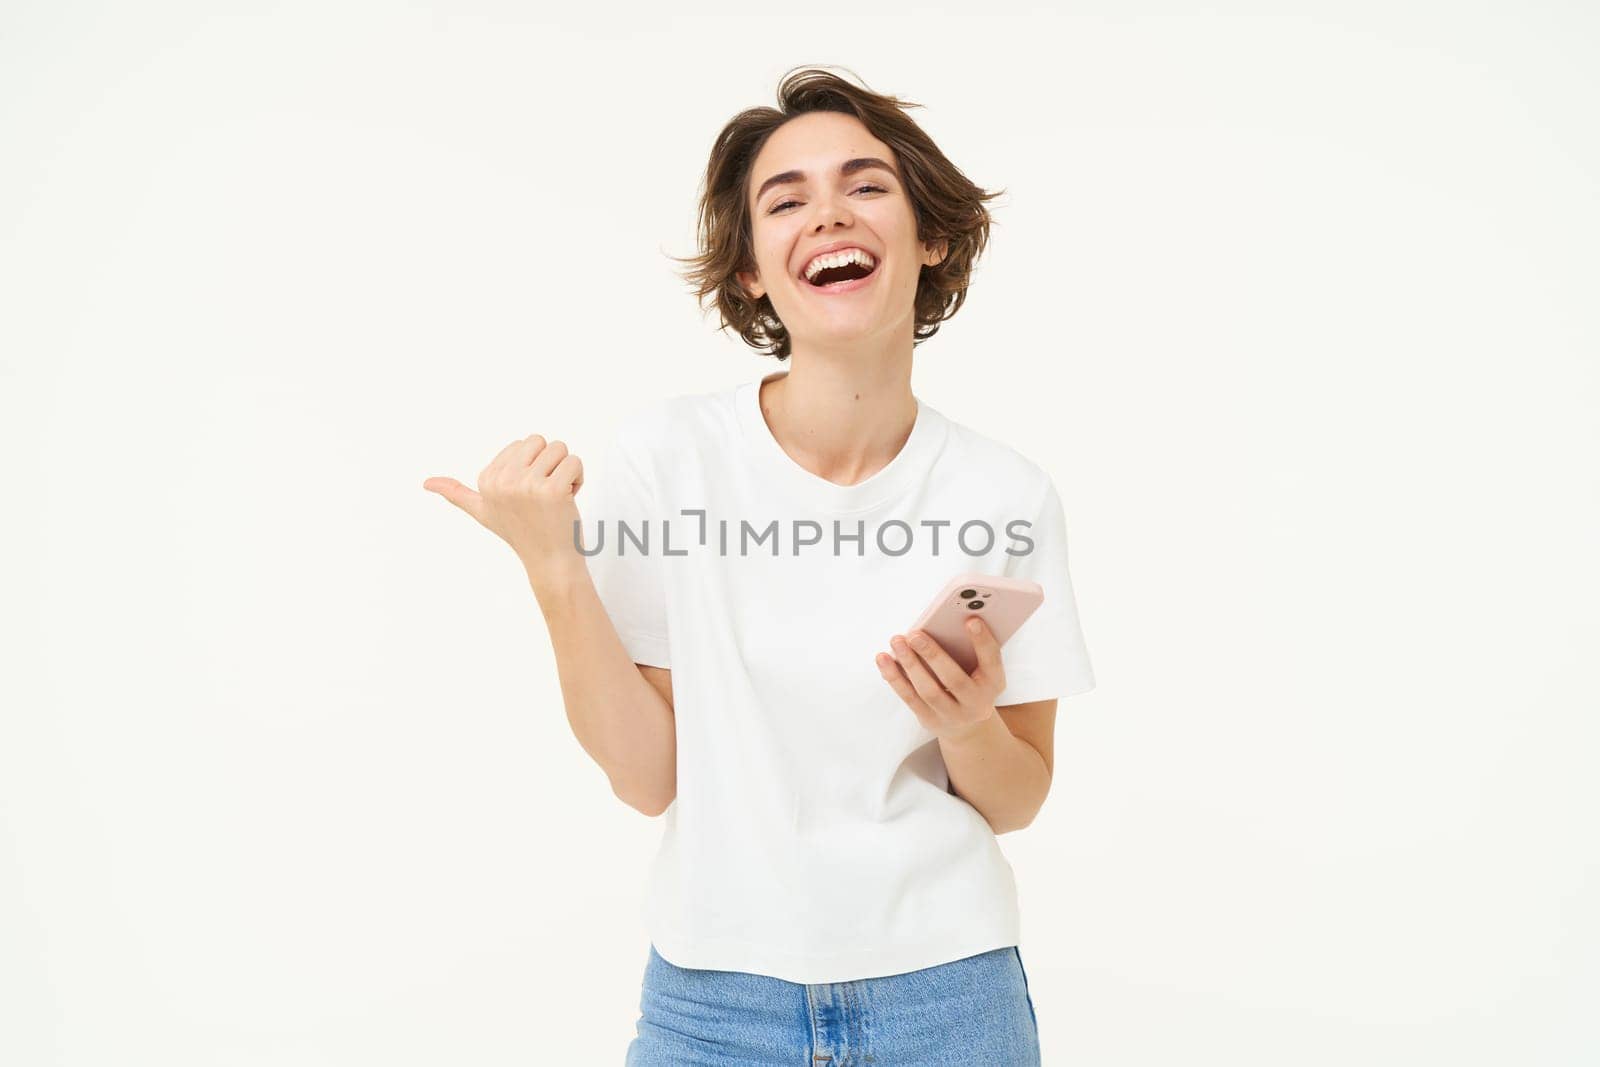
926, 685
525, 451
501, 458
569, 472
545, 462
513, 460
990, 666
940, 662
890, 669
458, 494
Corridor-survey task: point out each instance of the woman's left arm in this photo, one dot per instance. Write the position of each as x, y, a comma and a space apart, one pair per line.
1000, 760
1005, 771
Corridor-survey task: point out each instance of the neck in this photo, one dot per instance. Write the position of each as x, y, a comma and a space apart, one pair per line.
843, 419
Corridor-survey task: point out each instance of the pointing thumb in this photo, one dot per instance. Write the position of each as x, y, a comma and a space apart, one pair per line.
462, 497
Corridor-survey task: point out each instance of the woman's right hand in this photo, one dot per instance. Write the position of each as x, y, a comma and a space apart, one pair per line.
527, 497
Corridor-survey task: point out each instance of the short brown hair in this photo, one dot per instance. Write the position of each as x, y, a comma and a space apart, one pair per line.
945, 204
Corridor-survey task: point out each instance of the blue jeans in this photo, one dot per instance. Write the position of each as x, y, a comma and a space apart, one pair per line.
975, 1010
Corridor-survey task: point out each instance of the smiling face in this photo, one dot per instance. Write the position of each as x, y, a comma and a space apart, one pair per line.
819, 206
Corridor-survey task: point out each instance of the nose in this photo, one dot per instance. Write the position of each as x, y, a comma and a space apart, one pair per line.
834, 212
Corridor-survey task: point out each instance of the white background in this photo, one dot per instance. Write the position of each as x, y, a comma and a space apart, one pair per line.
1295, 302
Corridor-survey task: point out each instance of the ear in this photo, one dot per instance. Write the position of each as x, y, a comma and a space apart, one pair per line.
935, 252
748, 282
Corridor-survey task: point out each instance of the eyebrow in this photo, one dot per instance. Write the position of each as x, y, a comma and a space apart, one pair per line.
847, 168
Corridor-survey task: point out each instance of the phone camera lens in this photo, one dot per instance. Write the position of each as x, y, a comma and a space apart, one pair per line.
975, 605
968, 594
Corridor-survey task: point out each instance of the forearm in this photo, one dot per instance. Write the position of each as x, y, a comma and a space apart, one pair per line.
621, 721
998, 773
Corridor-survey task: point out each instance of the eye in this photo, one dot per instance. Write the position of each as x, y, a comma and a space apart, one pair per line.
775, 208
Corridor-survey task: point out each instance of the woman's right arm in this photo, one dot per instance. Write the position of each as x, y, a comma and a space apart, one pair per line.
620, 712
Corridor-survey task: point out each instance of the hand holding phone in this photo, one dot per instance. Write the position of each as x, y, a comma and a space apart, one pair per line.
1003, 604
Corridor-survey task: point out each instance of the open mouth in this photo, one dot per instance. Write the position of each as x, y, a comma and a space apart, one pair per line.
841, 277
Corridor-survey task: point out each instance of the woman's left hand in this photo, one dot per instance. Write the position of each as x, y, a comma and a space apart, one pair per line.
945, 698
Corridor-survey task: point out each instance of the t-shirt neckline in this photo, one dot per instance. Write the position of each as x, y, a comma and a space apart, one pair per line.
896, 477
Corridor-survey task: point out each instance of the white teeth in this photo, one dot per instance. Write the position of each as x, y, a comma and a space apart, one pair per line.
839, 259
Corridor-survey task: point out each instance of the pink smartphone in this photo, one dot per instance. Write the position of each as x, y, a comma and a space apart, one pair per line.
1004, 604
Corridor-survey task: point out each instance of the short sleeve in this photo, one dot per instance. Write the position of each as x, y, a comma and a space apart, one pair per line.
1046, 657
630, 582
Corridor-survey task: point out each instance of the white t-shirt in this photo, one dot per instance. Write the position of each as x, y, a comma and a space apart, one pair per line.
814, 836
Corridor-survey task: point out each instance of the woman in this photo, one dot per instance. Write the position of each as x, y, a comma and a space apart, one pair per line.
829, 888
